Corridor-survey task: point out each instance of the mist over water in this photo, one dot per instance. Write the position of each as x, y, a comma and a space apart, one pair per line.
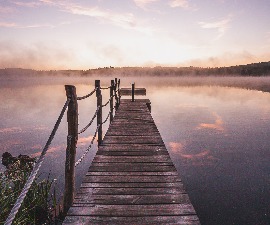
215, 129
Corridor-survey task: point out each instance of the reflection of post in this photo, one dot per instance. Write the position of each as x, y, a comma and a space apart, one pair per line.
72, 119
99, 114
111, 100
133, 91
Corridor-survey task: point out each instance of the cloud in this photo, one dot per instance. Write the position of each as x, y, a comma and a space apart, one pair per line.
15, 25
125, 20
85, 140
218, 125
27, 4
176, 147
8, 25
51, 150
221, 26
200, 155
143, 3
11, 130
179, 3
198, 159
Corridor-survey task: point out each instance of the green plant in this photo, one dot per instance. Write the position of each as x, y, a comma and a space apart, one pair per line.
39, 201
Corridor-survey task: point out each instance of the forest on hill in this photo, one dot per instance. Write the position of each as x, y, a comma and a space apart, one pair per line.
254, 69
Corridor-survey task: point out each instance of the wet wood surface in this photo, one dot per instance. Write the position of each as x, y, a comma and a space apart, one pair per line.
132, 179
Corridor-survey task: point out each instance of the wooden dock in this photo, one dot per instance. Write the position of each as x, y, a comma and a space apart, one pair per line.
132, 179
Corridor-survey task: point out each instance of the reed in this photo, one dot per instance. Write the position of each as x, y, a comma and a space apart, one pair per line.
40, 202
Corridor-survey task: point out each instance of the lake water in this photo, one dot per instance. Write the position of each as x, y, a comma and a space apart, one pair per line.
216, 131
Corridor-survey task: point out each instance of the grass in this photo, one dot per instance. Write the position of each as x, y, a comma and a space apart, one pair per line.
39, 203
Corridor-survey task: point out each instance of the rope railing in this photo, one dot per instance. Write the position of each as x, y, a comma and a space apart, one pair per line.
88, 95
108, 101
104, 88
88, 149
72, 137
73, 132
108, 116
90, 123
36, 168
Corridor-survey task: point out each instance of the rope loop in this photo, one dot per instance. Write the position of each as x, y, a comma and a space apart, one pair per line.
91, 121
86, 96
88, 149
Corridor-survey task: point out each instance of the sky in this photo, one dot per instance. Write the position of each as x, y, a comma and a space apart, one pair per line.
86, 34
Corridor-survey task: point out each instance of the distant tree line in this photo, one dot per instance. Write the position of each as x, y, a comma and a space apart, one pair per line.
254, 69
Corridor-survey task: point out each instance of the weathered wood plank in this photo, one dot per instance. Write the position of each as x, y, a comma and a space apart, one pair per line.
178, 185
149, 220
131, 179
131, 153
133, 210
132, 173
133, 199
131, 168
132, 164
132, 147
146, 159
132, 132
130, 191
130, 139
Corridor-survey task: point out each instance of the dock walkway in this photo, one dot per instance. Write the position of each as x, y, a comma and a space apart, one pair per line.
132, 179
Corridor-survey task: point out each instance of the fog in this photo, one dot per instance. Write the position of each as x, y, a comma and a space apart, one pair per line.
253, 83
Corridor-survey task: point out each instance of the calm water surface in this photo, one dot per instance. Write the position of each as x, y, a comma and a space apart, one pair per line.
218, 138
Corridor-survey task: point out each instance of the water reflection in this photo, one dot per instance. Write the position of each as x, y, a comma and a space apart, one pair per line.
219, 141
218, 138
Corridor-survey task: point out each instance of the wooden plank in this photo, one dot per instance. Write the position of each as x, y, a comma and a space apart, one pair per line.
126, 164
135, 220
132, 173
132, 153
132, 133
131, 168
178, 185
131, 191
132, 140
133, 210
119, 149
133, 199
132, 147
146, 159
131, 179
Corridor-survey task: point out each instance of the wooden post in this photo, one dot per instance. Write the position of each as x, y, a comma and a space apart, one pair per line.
99, 114
72, 119
119, 94
133, 91
116, 97
149, 106
111, 100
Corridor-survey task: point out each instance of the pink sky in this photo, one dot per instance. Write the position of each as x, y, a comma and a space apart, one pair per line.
46, 34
